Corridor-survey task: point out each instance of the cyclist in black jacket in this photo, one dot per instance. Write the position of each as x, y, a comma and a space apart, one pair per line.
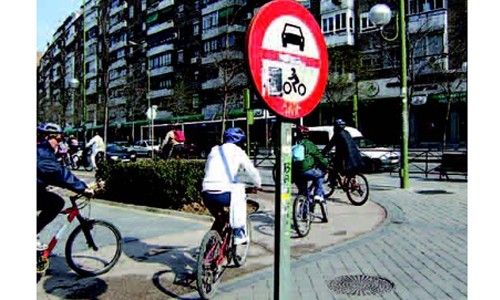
51, 172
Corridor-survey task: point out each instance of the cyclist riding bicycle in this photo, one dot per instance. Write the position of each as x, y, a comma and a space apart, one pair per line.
347, 159
51, 172
217, 184
311, 167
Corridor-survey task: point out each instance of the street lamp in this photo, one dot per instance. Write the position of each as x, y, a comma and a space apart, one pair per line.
380, 15
73, 84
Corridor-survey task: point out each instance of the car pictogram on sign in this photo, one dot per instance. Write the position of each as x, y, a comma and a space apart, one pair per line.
292, 34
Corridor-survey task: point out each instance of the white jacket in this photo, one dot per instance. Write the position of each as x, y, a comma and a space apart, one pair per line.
97, 144
216, 178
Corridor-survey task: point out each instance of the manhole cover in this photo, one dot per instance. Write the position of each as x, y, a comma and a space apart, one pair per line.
360, 285
433, 192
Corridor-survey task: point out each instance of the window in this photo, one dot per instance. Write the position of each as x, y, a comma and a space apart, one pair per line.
336, 23
429, 45
365, 22
131, 12
161, 60
165, 84
196, 28
420, 6
210, 20
180, 56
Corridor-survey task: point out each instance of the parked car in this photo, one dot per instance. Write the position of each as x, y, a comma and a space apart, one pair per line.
115, 152
375, 158
144, 148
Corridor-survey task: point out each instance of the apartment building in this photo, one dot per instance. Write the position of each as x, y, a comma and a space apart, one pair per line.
187, 57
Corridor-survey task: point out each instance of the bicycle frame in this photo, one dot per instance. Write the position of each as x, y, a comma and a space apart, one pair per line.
72, 213
226, 238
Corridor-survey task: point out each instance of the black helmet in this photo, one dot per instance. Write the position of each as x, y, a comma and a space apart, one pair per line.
339, 123
234, 135
49, 128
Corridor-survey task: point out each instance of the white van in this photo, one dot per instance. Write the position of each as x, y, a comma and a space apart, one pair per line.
375, 158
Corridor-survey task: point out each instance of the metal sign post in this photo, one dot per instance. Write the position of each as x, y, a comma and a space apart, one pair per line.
288, 61
283, 207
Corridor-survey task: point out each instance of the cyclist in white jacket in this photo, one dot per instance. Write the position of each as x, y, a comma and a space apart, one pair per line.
217, 183
97, 145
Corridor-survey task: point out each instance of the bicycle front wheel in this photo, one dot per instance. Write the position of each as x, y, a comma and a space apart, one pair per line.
93, 248
207, 271
301, 215
357, 189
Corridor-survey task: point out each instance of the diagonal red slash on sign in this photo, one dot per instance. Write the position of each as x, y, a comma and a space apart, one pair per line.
275, 55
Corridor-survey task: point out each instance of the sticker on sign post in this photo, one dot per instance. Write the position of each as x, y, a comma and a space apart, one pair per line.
287, 57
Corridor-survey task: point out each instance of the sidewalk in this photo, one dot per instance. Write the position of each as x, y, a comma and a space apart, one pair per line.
419, 252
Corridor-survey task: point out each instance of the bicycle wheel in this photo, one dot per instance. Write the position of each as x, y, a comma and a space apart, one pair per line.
207, 273
357, 189
301, 215
93, 248
240, 252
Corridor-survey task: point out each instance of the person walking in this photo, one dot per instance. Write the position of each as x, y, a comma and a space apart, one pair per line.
173, 144
97, 145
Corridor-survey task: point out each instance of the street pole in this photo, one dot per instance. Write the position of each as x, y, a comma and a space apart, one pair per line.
404, 176
283, 193
84, 85
249, 114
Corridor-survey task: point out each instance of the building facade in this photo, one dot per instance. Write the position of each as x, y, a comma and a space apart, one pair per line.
187, 58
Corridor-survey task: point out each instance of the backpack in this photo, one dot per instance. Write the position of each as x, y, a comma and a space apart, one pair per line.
179, 136
298, 153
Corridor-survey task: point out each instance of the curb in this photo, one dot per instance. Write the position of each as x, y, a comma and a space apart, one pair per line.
164, 211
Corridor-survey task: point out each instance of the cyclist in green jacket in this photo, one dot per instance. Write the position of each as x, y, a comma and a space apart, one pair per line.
311, 167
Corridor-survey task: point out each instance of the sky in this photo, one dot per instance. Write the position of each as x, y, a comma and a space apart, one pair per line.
50, 15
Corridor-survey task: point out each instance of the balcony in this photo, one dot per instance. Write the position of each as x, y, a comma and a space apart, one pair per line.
91, 73
221, 4
161, 70
119, 63
91, 22
91, 89
90, 57
160, 93
115, 10
56, 52
339, 39
222, 55
117, 46
238, 80
160, 27
118, 26
160, 49
90, 41
328, 6
117, 101
160, 5
427, 21
212, 32
117, 82
70, 38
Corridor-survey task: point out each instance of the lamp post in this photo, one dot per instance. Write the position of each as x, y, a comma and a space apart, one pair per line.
73, 84
380, 15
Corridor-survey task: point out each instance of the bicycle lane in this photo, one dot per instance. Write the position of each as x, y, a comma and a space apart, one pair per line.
156, 244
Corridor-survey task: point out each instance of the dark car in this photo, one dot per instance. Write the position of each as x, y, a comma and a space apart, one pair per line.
292, 34
118, 153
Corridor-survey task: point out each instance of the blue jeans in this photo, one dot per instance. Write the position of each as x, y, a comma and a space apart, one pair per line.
215, 203
317, 177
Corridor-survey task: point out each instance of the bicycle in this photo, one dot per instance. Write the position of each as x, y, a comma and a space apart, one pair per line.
92, 248
303, 212
217, 250
355, 186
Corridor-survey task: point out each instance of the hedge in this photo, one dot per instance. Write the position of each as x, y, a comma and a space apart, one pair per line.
173, 184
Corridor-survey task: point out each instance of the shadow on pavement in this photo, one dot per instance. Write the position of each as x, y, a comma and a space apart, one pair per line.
179, 260
64, 283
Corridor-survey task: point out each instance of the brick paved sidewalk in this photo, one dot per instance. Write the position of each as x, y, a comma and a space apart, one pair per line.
421, 249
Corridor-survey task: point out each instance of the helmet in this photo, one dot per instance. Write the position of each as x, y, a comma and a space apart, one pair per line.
339, 123
234, 135
303, 130
49, 128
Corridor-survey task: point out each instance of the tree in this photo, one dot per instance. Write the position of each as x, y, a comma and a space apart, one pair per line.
103, 67
180, 101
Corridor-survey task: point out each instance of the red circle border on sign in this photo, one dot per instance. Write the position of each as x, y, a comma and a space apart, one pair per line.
257, 28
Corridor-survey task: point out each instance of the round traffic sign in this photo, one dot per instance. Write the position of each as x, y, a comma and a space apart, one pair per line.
287, 57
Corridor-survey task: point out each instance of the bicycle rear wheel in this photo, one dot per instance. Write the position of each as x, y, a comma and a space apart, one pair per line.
301, 215
357, 189
328, 185
240, 252
207, 273
93, 248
